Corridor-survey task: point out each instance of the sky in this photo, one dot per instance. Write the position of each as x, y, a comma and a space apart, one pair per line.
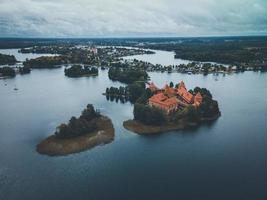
135, 18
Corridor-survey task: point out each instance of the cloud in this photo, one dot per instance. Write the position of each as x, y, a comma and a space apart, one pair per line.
91, 18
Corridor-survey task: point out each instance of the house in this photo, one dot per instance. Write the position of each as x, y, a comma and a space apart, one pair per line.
94, 50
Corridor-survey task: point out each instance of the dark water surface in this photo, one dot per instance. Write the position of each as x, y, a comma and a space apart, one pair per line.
224, 160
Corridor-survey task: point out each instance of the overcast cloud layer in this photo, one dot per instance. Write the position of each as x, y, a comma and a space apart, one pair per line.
91, 18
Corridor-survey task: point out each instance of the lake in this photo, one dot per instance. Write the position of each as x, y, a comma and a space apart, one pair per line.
160, 57
22, 56
223, 160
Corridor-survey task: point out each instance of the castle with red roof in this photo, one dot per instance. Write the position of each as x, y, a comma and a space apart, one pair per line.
171, 99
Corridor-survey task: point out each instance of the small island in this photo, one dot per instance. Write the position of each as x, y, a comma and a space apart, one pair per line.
11, 72
172, 108
80, 71
7, 72
87, 131
48, 62
126, 74
7, 59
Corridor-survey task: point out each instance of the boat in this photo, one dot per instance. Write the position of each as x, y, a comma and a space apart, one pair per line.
16, 88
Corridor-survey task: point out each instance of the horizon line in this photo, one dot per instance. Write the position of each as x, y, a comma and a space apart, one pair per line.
131, 37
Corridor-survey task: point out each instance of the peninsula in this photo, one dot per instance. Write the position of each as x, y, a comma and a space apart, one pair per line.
172, 108
89, 130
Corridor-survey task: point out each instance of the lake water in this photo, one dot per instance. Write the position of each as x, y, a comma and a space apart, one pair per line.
22, 56
161, 57
223, 160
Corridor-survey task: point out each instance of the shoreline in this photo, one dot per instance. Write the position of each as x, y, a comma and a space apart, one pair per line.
53, 146
143, 129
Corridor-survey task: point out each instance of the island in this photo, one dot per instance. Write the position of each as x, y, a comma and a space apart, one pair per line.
79, 71
7, 59
87, 131
7, 72
172, 108
11, 72
127, 74
49, 62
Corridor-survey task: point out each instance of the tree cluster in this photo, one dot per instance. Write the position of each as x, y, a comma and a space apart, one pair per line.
127, 75
134, 92
79, 126
208, 107
148, 115
79, 70
7, 59
45, 62
7, 71
249, 51
24, 70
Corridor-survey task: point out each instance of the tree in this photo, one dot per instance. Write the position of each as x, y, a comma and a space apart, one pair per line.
89, 113
143, 99
7, 71
148, 115
107, 90
171, 84
192, 114
79, 126
136, 90
7, 59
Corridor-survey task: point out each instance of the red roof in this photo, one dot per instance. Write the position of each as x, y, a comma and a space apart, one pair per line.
167, 97
169, 90
158, 97
163, 100
182, 92
198, 99
152, 87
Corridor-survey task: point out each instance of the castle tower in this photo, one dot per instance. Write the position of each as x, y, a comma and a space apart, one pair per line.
198, 99
181, 85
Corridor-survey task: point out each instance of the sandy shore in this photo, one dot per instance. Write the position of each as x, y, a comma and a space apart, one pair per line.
53, 146
142, 129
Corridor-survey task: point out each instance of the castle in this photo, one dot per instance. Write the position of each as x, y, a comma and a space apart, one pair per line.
171, 99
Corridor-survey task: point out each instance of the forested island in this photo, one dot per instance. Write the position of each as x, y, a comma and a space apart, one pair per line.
7, 72
79, 71
131, 92
135, 79
7, 59
87, 131
11, 72
172, 108
45, 62
127, 75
